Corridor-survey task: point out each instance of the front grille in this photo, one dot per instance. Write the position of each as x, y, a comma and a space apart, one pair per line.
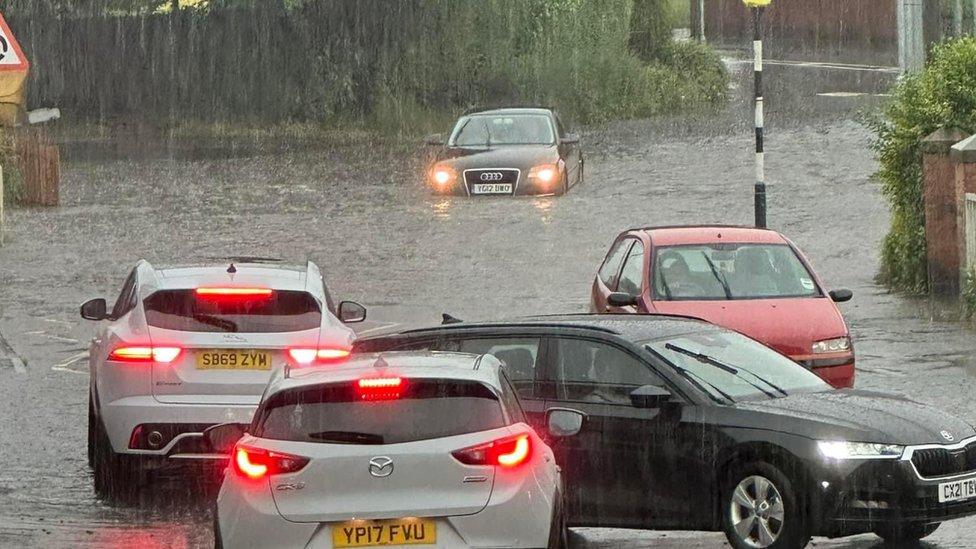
491, 176
942, 462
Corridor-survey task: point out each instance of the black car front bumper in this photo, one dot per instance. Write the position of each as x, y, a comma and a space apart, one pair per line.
854, 497
466, 182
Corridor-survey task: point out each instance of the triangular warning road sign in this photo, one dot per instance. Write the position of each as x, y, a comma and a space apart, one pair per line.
11, 56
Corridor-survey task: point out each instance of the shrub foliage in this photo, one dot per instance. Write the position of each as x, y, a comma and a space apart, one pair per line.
943, 95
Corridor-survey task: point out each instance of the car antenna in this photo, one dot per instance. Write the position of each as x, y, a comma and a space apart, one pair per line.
448, 319
232, 269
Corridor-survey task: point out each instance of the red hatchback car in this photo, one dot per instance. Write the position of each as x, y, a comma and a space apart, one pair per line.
751, 280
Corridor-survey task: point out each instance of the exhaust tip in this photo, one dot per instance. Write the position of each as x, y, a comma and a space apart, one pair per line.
154, 439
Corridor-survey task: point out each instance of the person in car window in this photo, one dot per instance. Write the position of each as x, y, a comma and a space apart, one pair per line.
602, 375
753, 272
676, 277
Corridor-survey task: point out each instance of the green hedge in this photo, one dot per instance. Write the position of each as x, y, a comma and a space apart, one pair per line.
969, 294
943, 95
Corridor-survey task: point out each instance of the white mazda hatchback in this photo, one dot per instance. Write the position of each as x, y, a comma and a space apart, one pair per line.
186, 348
398, 449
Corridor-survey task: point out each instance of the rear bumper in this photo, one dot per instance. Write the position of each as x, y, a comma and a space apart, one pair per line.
181, 424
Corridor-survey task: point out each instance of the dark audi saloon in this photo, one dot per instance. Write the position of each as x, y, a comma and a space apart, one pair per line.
695, 427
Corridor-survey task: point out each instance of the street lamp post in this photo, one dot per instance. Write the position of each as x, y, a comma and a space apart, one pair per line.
757, 46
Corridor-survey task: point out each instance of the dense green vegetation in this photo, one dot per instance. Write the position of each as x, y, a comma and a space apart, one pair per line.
943, 95
969, 294
404, 65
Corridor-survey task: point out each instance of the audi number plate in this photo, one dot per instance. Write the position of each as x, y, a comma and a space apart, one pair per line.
373, 533
233, 359
491, 188
957, 490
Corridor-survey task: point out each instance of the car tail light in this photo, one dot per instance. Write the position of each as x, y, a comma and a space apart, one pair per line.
145, 353
256, 463
233, 293
307, 355
506, 452
380, 388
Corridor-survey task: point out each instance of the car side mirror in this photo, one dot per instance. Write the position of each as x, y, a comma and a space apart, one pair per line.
649, 396
621, 299
94, 309
350, 311
570, 139
434, 139
222, 438
564, 422
841, 295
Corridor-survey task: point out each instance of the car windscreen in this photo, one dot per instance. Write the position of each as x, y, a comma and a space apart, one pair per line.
422, 409
730, 271
487, 130
281, 311
729, 366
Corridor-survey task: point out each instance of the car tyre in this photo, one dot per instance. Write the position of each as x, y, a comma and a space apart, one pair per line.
218, 541
558, 532
905, 534
760, 509
115, 476
92, 431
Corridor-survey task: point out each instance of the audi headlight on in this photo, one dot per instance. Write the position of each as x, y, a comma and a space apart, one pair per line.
836, 345
840, 449
442, 175
545, 173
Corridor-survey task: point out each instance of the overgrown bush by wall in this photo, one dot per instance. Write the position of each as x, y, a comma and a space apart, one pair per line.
11, 172
390, 64
969, 294
943, 95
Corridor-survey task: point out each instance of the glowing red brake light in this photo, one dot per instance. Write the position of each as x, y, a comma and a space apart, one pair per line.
233, 292
304, 356
380, 388
255, 463
506, 452
145, 353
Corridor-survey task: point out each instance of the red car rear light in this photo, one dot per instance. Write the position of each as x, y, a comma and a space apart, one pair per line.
506, 452
306, 355
145, 353
220, 293
256, 463
380, 388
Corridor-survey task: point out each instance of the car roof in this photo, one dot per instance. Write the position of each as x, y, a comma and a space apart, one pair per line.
410, 364
709, 234
511, 110
276, 276
633, 327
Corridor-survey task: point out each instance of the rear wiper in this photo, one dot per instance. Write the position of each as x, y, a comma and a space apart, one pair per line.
223, 323
703, 358
721, 279
347, 437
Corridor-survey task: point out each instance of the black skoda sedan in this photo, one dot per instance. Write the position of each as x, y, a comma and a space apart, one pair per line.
517, 151
692, 426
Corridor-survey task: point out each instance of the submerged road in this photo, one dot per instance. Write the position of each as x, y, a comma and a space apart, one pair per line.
360, 213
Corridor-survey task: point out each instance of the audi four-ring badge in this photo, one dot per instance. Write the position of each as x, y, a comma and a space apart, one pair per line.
514, 151
395, 449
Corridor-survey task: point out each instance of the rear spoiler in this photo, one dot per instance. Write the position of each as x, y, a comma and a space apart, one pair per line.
448, 319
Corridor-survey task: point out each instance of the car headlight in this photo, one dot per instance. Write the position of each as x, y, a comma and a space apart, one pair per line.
836, 345
442, 175
839, 449
544, 173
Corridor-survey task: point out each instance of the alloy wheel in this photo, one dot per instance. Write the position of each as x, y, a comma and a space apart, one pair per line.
756, 511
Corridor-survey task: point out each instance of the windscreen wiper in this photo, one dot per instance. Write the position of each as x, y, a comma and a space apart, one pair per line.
347, 437
692, 376
721, 279
706, 359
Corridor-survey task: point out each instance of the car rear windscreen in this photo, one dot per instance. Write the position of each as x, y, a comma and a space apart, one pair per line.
338, 414
282, 311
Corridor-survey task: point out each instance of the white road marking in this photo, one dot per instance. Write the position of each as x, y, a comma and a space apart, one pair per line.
64, 366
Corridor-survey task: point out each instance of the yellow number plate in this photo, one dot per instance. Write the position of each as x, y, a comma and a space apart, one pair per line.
373, 533
221, 359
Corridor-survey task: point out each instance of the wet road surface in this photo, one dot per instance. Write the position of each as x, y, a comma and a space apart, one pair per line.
360, 213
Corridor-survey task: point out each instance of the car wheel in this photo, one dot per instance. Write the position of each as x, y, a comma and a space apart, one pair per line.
558, 533
759, 510
115, 476
905, 533
218, 542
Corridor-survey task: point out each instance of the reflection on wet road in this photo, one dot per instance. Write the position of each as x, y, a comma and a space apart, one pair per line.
380, 239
